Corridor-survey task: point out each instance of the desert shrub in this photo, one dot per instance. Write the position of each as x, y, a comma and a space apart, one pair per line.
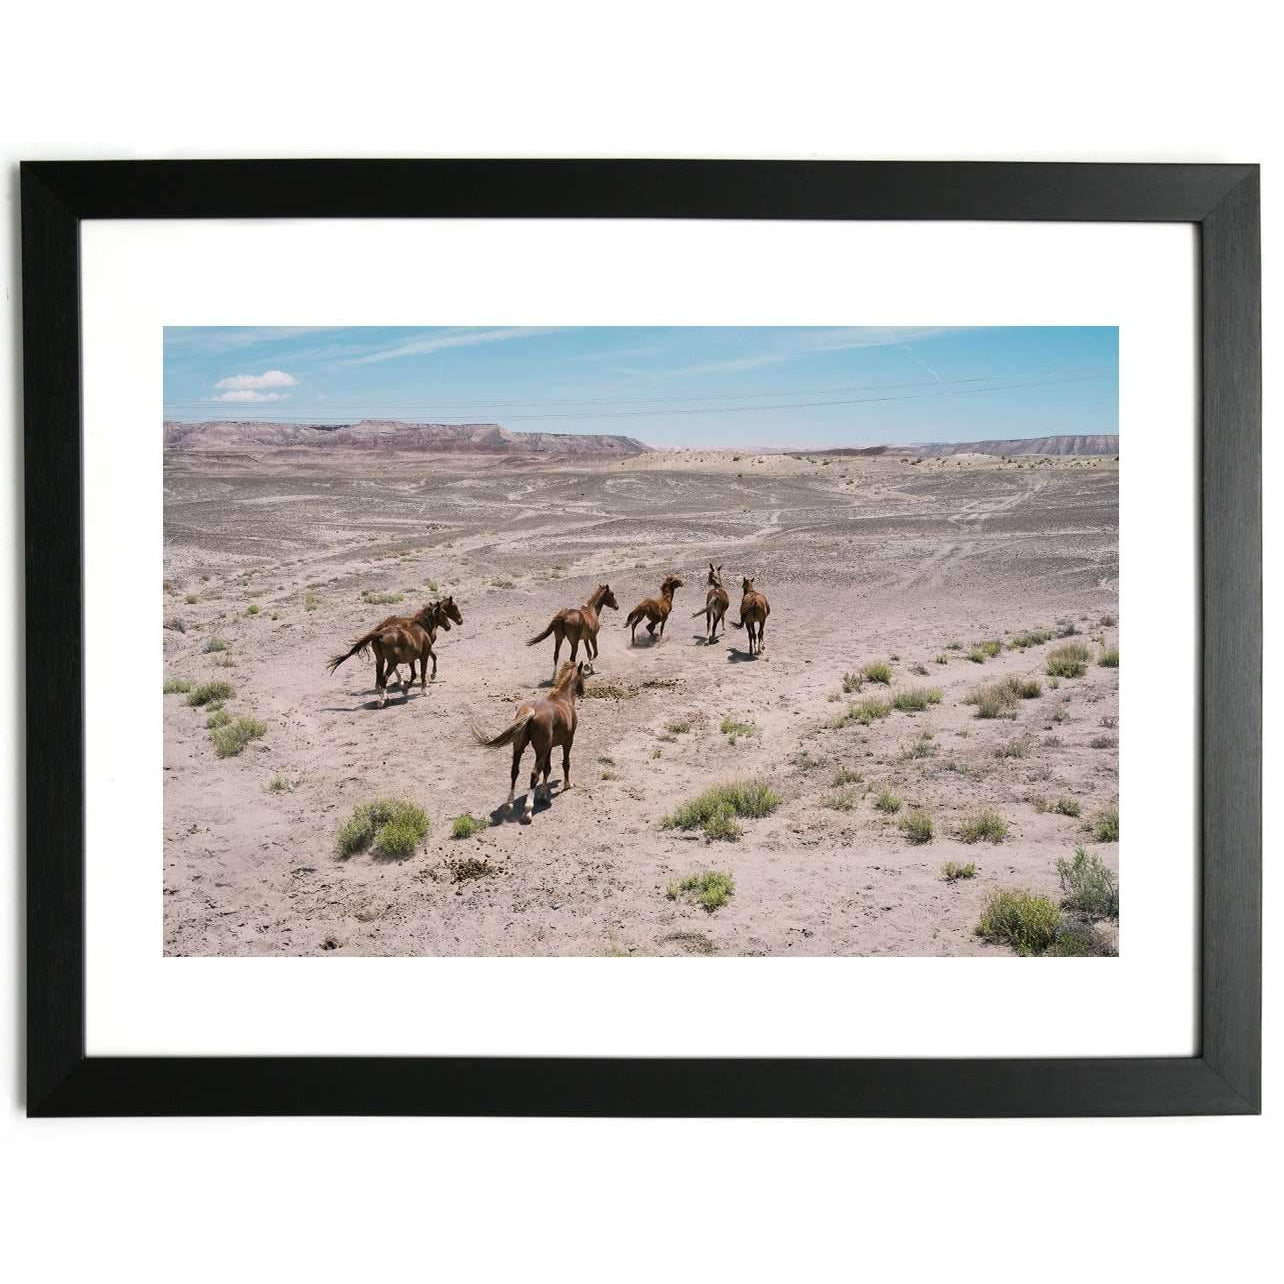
877, 671
990, 647
842, 800
1013, 749
252, 609
976, 655
952, 871
852, 682
723, 827
711, 889
1065, 806
916, 699
311, 601
985, 825
998, 701
679, 727
1031, 637
214, 644
715, 810
863, 712
501, 582
392, 826
954, 646
175, 625
466, 826
1109, 658
230, 739
846, 776
887, 802
278, 785
1101, 742
1026, 688
942, 658
176, 686
218, 718
381, 599
1068, 661
917, 826
210, 691
920, 669
1076, 939
733, 730
1028, 923
1066, 628
1090, 887
1105, 825
919, 747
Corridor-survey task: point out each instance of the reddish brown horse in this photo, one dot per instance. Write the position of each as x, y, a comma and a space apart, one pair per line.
754, 610
396, 641
654, 610
543, 723
715, 604
434, 616
580, 624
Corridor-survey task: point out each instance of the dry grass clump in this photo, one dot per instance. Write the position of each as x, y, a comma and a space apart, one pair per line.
232, 737
877, 671
916, 699
678, 727
847, 776
985, 825
716, 809
371, 598
219, 717
1065, 806
1068, 661
175, 625
1028, 923
887, 802
214, 644
863, 712
1105, 825
311, 601
466, 826
1000, 699
842, 800
210, 691
1090, 887
279, 784
852, 682
1031, 637
1109, 658
710, 889
917, 826
176, 686
952, 871
1013, 749
982, 651
392, 826
920, 747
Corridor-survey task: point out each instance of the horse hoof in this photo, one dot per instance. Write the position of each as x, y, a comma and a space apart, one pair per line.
526, 818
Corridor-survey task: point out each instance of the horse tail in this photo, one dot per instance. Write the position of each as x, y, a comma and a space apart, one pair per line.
704, 610
359, 647
506, 736
738, 624
636, 616
539, 637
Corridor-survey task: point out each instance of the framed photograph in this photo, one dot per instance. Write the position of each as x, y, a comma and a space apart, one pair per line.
643, 638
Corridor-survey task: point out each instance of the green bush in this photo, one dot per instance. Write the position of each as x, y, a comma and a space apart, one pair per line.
733, 730
231, 738
392, 826
846, 776
917, 826
877, 671
176, 686
723, 827
863, 712
466, 826
1105, 826
852, 682
887, 802
1028, 923
1068, 661
916, 699
952, 871
252, 609
1109, 658
209, 691
715, 810
1076, 940
1031, 637
218, 718
711, 889
1090, 887
985, 824
1065, 807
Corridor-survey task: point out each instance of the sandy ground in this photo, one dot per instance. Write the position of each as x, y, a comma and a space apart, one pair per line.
862, 560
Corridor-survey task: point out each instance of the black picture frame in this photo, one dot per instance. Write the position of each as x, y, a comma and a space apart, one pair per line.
1221, 201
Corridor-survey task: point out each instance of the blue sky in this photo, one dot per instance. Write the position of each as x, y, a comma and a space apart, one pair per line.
669, 386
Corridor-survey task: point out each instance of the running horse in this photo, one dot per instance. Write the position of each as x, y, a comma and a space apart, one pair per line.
654, 610
543, 723
715, 604
580, 624
754, 610
401, 640
434, 616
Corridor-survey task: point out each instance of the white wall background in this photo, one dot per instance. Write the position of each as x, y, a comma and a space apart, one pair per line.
285, 1200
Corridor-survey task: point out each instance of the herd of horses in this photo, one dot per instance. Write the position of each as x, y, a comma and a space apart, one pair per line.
547, 722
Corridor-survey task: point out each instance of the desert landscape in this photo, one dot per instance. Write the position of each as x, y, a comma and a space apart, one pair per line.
933, 717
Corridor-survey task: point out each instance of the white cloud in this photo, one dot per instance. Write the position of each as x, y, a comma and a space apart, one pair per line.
268, 379
459, 339
249, 394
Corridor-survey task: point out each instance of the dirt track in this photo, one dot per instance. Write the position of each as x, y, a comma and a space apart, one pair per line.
861, 560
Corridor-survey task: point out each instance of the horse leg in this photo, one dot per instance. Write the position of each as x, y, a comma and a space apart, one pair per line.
566, 766
517, 762
529, 810
380, 685
762, 633
548, 763
575, 647
557, 650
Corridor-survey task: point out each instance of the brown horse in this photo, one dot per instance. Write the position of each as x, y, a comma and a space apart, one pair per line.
579, 623
754, 610
543, 723
434, 616
715, 604
396, 641
654, 610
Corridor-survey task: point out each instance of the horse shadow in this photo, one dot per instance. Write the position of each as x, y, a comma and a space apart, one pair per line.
505, 815
741, 655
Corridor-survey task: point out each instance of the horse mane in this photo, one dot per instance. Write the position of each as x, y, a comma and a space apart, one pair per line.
564, 675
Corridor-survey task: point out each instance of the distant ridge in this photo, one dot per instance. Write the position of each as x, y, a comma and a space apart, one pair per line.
235, 436
1084, 444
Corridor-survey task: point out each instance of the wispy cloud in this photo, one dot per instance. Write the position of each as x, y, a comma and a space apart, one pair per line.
216, 340
436, 342
251, 394
812, 342
268, 379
